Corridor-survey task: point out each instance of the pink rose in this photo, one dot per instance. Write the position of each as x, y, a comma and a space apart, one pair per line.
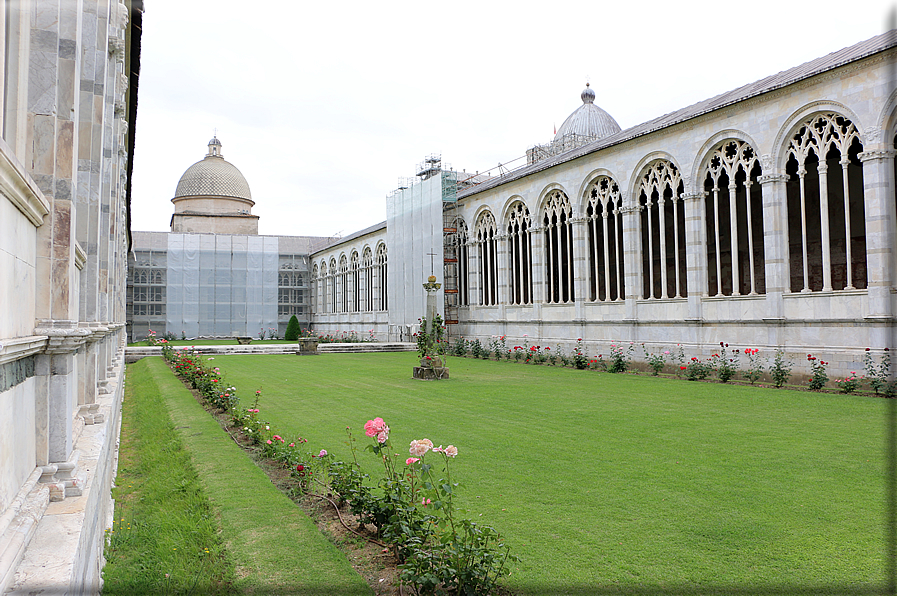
375, 427
323, 453
381, 437
411, 460
451, 451
420, 448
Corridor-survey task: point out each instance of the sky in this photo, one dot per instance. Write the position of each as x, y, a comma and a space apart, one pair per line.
324, 106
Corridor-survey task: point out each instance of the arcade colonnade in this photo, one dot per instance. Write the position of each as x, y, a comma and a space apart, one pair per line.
720, 227
349, 290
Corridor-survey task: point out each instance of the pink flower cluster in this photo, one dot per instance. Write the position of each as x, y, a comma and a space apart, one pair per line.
377, 428
420, 448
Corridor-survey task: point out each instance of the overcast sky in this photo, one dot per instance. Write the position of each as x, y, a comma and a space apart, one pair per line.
323, 106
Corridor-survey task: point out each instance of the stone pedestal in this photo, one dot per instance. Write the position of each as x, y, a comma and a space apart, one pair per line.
308, 346
429, 373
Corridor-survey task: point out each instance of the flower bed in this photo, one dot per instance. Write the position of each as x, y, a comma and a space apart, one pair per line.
410, 506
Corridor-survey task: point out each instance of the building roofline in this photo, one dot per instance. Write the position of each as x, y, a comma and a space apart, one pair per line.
864, 49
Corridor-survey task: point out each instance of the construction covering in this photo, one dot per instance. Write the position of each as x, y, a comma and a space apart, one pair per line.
221, 285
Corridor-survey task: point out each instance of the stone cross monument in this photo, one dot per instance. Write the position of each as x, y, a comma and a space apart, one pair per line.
432, 364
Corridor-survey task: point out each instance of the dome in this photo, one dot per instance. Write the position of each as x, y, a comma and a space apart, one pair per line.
214, 177
588, 120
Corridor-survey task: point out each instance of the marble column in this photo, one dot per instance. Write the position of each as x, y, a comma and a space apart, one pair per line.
540, 288
476, 274
695, 252
580, 264
632, 261
775, 246
878, 192
503, 262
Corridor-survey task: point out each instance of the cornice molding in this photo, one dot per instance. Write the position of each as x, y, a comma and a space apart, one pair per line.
17, 186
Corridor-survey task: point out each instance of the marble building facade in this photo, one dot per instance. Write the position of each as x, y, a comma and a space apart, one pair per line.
68, 108
763, 218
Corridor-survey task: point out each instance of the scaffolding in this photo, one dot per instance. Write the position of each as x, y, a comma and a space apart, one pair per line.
450, 251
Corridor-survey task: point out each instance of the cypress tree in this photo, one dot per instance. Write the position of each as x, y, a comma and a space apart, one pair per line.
292, 332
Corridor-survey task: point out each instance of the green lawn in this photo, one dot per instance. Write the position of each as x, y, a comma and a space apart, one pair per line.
196, 516
619, 484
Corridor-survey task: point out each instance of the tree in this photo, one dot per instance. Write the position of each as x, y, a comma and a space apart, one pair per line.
293, 330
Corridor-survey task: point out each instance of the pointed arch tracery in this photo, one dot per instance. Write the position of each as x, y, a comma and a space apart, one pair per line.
342, 283
826, 211
557, 215
463, 253
734, 221
367, 279
331, 287
485, 236
315, 284
381, 293
520, 252
354, 282
663, 231
605, 228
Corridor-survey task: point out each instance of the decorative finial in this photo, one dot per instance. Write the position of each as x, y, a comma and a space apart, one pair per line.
588, 96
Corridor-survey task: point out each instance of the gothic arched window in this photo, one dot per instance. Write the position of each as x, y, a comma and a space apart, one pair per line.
463, 263
605, 224
734, 221
367, 276
315, 282
342, 285
663, 231
826, 212
556, 219
485, 238
520, 252
332, 301
354, 279
381, 277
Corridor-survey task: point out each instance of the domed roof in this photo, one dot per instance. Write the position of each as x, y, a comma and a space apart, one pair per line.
213, 176
588, 120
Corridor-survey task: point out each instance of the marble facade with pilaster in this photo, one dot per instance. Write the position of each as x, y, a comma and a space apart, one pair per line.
835, 323
63, 247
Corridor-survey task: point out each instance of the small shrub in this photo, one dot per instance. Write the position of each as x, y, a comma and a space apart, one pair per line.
818, 376
678, 358
755, 367
460, 347
725, 367
697, 369
848, 384
562, 356
657, 361
780, 370
477, 350
580, 362
293, 330
497, 346
878, 375
619, 359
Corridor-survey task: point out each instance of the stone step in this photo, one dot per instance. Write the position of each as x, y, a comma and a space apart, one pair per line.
135, 353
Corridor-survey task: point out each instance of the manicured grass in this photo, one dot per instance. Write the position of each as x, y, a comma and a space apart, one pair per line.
275, 548
624, 484
165, 537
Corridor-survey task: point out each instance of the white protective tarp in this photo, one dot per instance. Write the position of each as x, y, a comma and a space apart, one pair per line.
221, 285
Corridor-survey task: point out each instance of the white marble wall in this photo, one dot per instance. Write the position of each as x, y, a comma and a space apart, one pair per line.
63, 239
325, 321
839, 324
